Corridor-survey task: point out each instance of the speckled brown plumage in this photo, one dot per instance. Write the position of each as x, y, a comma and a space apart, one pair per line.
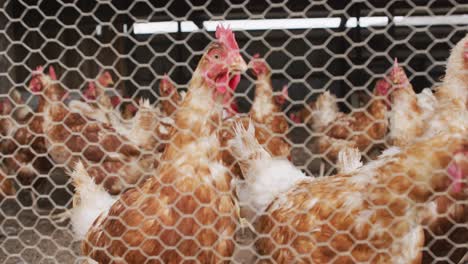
186, 209
319, 211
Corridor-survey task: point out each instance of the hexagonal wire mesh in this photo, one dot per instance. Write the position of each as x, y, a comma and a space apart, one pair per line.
105, 57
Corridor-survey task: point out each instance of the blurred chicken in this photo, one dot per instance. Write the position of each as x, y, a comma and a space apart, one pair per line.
191, 181
6, 186
371, 215
129, 110
96, 91
170, 97
410, 111
266, 113
415, 116
23, 150
359, 129
110, 158
6, 146
99, 105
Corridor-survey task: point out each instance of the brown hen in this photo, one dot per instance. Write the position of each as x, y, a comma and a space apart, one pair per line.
371, 215
186, 209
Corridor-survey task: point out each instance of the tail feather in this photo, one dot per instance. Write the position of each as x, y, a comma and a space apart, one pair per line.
349, 160
245, 146
89, 202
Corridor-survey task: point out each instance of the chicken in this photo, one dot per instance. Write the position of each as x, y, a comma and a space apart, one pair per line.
410, 111
266, 111
96, 92
6, 186
6, 145
186, 209
144, 126
359, 129
455, 85
415, 116
23, 151
426, 114
371, 215
100, 106
128, 109
270, 121
110, 158
170, 97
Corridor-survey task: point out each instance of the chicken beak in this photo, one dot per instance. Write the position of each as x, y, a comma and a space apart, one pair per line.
239, 65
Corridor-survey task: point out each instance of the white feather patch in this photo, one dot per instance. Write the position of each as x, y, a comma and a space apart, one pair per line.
349, 160
93, 201
88, 111
265, 178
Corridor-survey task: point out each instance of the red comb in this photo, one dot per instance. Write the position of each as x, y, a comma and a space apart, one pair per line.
284, 91
105, 79
90, 93
295, 118
115, 100
256, 56
226, 36
107, 75
52, 74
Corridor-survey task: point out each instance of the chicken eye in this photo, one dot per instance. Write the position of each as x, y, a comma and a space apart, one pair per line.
216, 56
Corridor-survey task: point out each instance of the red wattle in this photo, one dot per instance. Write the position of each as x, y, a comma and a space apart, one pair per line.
235, 80
221, 89
221, 83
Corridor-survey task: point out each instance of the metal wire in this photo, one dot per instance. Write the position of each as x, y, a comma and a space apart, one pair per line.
83, 39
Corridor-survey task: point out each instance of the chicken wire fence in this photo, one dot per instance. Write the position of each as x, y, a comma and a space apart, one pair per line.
126, 47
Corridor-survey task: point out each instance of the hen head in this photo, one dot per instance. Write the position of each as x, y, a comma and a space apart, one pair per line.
397, 75
282, 97
458, 169
40, 80
166, 87
222, 64
91, 92
105, 79
259, 66
395, 79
